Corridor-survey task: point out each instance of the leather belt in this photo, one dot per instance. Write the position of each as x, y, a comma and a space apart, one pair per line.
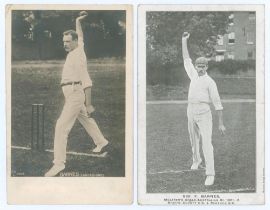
71, 83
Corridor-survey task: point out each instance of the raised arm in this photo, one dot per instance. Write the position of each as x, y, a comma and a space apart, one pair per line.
79, 31
191, 71
184, 45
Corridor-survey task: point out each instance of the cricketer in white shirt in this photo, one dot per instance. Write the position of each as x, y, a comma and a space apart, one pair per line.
75, 67
76, 85
202, 92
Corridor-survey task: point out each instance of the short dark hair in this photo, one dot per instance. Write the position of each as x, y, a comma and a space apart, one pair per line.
72, 33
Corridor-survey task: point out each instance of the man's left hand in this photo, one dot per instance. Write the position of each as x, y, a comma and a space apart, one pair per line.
222, 129
90, 109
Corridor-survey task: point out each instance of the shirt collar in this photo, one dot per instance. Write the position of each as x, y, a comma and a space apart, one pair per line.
203, 75
74, 50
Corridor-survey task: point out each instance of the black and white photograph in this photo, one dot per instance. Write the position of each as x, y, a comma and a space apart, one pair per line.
201, 104
69, 96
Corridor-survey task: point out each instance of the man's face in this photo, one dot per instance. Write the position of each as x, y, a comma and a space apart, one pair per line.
69, 44
201, 69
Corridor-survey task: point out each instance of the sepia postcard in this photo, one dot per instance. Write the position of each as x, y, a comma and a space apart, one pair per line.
69, 104
201, 104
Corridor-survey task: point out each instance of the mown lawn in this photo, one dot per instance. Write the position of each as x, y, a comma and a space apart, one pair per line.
169, 151
38, 82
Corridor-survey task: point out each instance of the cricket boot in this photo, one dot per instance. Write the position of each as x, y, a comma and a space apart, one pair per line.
57, 168
196, 165
209, 180
99, 147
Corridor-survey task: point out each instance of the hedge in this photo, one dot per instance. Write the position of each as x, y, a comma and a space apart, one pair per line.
174, 74
232, 66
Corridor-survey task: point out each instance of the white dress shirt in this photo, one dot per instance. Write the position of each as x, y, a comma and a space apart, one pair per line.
202, 90
75, 67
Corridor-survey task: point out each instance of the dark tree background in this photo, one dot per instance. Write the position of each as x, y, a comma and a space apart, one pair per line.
37, 34
165, 29
164, 41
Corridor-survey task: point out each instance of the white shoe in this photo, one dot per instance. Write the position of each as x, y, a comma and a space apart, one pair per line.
55, 170
209, 180
99, 147
195, 165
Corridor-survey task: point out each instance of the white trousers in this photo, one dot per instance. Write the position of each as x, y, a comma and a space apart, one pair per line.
200, 126
73, 109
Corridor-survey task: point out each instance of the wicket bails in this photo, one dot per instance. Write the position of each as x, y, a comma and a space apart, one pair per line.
37, 127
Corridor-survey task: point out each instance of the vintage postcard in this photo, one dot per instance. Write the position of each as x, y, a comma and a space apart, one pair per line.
69, 104
201, 104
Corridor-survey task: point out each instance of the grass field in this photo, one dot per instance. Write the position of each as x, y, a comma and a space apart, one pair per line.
169, 150
38, 82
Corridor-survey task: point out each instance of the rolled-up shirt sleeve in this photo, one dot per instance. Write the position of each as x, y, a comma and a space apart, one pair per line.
86, 81
82, 70
189, 67
214, 95
85, 78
